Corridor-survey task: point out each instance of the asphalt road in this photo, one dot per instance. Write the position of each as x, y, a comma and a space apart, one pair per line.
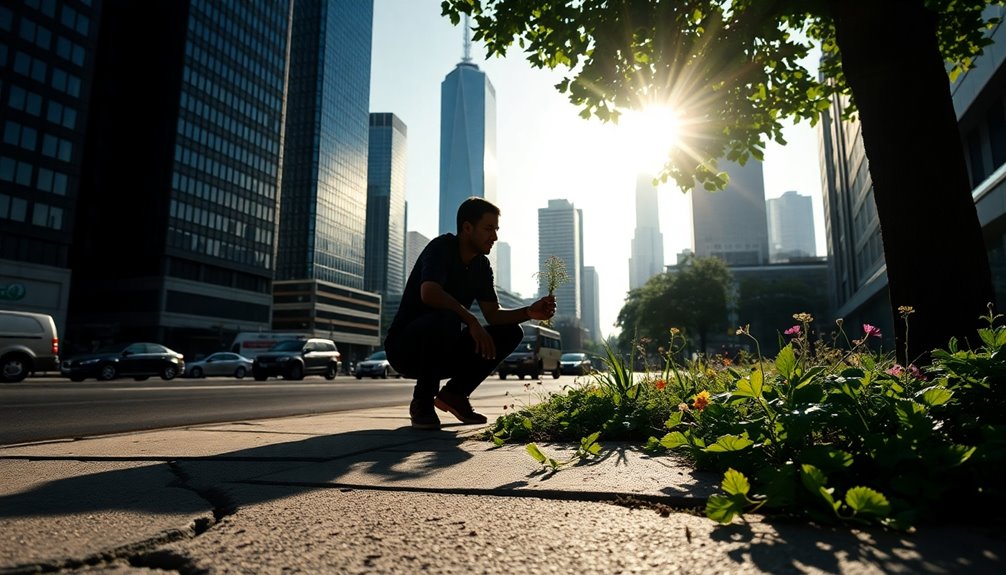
40, 409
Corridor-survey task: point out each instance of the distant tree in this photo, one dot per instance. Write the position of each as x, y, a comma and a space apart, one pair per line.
732, 70
694, 299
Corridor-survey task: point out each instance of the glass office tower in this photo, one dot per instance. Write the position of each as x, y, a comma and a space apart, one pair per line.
467, 140
47, 55
384, 271
323, 210
175, 231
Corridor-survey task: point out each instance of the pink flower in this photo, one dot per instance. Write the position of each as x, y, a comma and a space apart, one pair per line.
869, 330
795, 330
896, 370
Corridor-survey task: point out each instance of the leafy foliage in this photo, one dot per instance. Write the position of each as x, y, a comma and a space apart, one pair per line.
839, 435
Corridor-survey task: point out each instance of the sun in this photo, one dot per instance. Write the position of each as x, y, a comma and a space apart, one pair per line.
647, 136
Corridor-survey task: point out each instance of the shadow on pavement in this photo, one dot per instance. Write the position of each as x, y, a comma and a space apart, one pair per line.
391, 455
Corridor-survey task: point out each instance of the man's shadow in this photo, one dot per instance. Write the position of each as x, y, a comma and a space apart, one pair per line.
384, 456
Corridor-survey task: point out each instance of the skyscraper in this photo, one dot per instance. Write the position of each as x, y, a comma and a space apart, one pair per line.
415, 243
320, 260
591, 303
47, 58
560, 235
384, 269
503, 265
731, 224
467, 138
186, 124
648, 244
790, 227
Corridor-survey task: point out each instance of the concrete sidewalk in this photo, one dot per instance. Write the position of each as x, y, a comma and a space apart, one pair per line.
362, 492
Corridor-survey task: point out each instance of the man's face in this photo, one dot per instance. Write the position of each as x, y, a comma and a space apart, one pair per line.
482, 235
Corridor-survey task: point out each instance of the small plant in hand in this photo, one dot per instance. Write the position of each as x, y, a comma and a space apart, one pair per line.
551, 277
834, 432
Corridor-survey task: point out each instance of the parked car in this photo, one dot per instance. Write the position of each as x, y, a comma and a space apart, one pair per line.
222, 363
293, 359
28, 343
575, 364
376, 365
138, 360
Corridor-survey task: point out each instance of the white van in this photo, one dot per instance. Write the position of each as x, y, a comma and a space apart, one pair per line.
252, 343
28, 343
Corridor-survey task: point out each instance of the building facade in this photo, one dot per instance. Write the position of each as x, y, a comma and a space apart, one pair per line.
47, 60
384, 266
731, 224
560, 234
191, 118
790, 227
590, 304
467, 140
323, 208
415, 243
503, 266
647, 258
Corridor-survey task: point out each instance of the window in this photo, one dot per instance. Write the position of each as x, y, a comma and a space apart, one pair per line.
16, 98
18, 209
34, 106
7, 169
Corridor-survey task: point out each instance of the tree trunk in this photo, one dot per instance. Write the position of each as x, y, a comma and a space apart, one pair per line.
936, 256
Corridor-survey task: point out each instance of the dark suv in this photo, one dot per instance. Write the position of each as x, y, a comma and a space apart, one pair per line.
295, 358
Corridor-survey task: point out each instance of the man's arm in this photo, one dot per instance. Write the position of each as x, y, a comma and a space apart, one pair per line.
434, 295
542, 309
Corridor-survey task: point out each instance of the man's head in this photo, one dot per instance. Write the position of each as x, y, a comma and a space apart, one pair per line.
478, 220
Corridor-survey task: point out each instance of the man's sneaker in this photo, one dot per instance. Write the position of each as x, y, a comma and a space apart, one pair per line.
459, 406
423, 418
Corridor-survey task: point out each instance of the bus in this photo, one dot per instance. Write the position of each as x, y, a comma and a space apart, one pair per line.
537, 353
252, 343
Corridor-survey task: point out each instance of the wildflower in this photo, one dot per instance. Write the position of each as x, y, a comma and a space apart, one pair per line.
675, 331
869, 330
744, 330
660, 384
682, 406
803, 317
916, 372
795, 330
701, 400
905, 310
896, 370
727, 362
504, 407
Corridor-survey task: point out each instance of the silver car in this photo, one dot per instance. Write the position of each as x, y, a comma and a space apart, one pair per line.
223, 363
376, 365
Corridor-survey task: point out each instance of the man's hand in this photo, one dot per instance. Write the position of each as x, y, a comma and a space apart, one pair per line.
484, 344
542, 309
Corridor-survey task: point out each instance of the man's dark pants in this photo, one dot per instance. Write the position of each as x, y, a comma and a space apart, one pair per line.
436, 347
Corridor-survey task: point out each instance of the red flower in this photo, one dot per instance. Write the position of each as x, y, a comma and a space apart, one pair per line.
660, 384
795, 330
869, 330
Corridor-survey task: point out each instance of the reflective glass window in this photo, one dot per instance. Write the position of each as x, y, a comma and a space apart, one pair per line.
7, 169
16, 98
59, 184
44, 182
34, 106
23, 176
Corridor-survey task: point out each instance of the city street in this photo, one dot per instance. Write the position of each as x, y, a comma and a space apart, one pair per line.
54, 408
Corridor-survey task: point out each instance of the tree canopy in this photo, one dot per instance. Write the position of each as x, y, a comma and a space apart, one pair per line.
731, 71
695, 298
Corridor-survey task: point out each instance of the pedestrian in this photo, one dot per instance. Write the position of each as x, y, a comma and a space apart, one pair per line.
434, 336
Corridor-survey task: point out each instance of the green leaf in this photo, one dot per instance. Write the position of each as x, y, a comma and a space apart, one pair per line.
866, 501
498, 441
785, 362
723, 509
752, 386
673, 421
728, 443
527, 423
535, 452
674, 440
735, 483
814, 480
934, 396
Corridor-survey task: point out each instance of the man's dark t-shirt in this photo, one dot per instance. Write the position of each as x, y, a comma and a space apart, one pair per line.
440, 262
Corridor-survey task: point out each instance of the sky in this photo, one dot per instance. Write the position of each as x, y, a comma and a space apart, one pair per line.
546, 151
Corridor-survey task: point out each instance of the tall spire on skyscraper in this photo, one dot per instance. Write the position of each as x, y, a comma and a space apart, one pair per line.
467, 57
